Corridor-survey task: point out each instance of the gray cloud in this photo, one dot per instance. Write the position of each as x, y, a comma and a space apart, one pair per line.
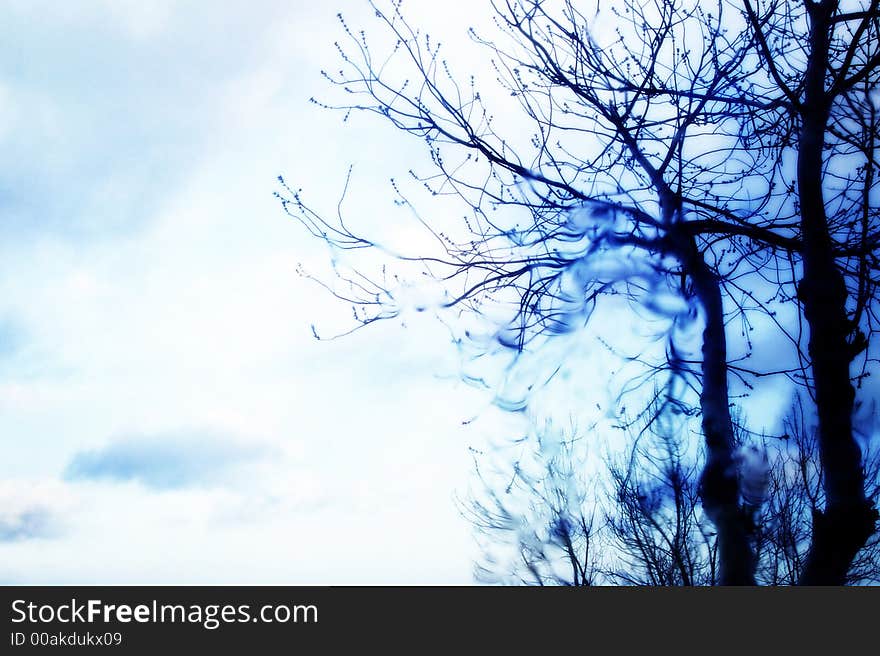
34, 522
164, 461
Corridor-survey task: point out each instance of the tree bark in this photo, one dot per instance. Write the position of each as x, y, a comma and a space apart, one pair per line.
848, 518
719, 487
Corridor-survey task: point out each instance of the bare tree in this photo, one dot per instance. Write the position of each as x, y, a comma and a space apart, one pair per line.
537, 517
796, 495
657, 530
657, 160
535, 520
821, 61
652, 529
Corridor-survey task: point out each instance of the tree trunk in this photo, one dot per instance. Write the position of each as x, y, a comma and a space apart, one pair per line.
719, 488
848, 518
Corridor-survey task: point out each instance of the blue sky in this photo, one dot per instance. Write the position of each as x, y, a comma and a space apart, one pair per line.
166, 415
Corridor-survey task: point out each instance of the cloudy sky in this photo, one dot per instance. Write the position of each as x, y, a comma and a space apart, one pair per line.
166, 415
